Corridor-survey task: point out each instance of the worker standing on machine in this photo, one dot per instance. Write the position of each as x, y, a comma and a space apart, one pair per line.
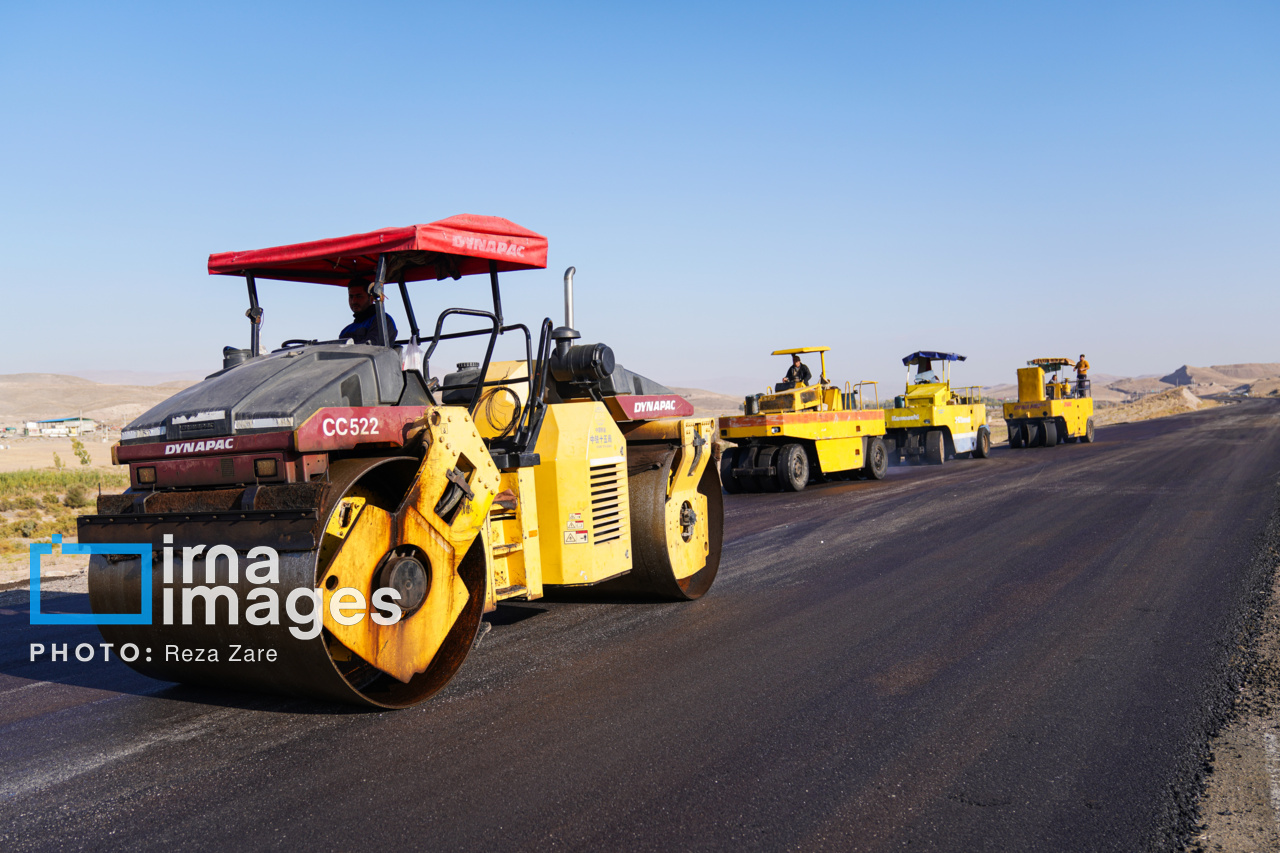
364, 328
799, 373
1082, 377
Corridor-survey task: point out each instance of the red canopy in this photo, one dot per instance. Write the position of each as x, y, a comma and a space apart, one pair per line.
459, 245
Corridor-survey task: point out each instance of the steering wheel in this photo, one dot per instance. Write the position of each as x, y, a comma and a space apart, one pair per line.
296, 342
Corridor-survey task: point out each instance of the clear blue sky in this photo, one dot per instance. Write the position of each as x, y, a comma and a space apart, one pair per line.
1007, 180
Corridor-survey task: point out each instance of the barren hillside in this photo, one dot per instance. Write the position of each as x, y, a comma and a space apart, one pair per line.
37, 396
710, 404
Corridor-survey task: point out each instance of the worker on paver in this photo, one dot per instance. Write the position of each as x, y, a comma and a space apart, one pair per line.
798, 373
924, 372
364, 328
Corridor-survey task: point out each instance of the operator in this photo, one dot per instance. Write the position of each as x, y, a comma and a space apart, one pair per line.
924, 372
799, 373
364, 328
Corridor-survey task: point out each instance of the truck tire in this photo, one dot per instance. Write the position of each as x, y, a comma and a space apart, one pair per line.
1050, 430
793, 468
1031, 433
767, 457
1088, 432
1015, 433
935, 447
982, 446
877, 459
729, 461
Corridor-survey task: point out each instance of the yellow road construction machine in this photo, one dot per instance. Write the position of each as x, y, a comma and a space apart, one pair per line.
332, 519
799, 432
1049, 413
931, 421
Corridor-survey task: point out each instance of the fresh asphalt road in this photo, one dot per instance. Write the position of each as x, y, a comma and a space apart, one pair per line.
1020, 653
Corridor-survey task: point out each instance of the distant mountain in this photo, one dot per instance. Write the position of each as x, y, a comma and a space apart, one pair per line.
142, 377
38, 396
1227, 375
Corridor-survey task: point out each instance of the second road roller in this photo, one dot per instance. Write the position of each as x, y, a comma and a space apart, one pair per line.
801, 431
332, 518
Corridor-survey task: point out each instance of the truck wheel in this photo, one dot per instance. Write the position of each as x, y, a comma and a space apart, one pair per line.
729, 461
1050, 434
1015, 433
1088, 432
765, 458
877, 459
982, 447
793, 468
935, 447
1031, 433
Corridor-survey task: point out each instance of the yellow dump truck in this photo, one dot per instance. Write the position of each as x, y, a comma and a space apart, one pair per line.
801, 431
931, 421
1049, 413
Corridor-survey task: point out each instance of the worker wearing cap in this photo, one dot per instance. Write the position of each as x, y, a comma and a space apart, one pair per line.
799, 373
1082, 376
364, 327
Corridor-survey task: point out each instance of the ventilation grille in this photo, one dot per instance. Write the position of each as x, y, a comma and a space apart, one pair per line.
609, 520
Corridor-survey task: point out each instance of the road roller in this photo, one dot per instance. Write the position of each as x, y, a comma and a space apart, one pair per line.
931, 421
797, 432
1053, 412
332, 518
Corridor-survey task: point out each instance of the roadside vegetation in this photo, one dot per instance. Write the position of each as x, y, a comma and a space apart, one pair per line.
37, 503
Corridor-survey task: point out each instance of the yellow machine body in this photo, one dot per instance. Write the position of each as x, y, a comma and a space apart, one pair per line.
582, 496
831, 431
1047, 414
933, 421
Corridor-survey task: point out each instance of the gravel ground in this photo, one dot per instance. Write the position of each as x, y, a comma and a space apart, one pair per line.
1240, 808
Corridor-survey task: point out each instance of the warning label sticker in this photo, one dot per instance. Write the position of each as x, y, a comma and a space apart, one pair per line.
574, 538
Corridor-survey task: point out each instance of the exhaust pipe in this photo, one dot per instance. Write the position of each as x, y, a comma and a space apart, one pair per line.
568, 296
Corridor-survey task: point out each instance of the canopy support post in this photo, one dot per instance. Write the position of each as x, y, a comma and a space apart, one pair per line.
254, 314
408, 309
379, 280
497, 295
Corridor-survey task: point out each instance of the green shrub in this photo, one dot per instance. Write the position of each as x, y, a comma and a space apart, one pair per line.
77, 496
27, 502
39, 480
57, 461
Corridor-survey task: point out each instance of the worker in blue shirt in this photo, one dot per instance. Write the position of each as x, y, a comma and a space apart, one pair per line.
364, 328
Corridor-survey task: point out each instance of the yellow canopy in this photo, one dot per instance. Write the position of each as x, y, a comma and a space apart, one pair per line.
799, 350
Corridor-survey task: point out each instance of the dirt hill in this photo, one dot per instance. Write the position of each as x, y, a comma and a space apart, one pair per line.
1171, 402
36, 396
710, 404
1226, 375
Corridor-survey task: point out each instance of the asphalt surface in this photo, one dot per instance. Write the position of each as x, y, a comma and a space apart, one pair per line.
1022, 653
